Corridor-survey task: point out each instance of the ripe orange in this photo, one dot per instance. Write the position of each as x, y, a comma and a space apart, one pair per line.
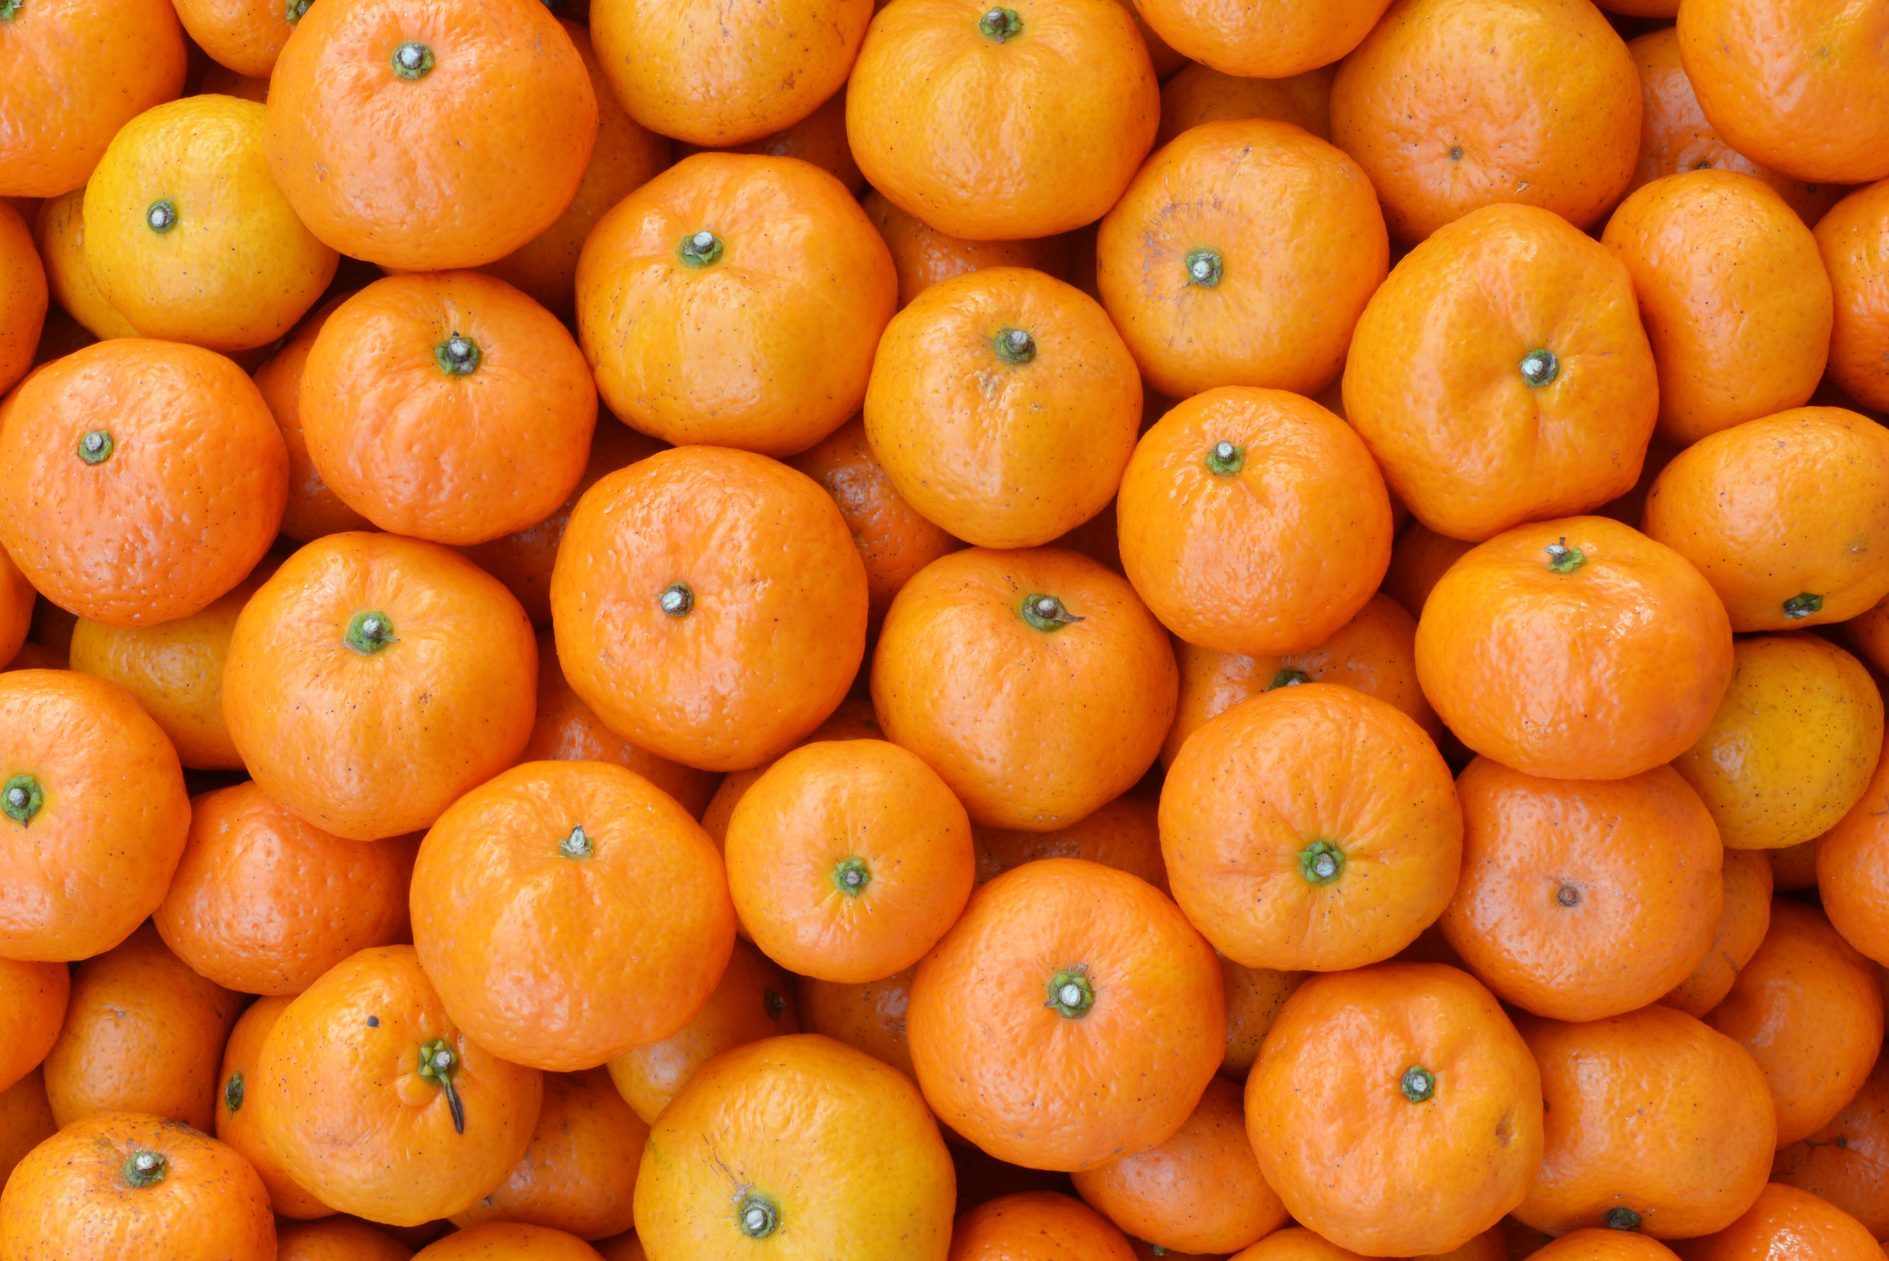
244, 36
33, 999
1846, 1160
1784, 1224
1854, 240
1744, 918
236, 1122
1123, 834
922, 256
508, 1241
313, 509
1197, 94
1036, 1226
336, 1239
870, 1017
23, 295
1269, 40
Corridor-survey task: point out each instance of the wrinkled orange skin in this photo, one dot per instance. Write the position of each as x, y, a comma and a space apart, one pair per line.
1255, 788
1788, 1224
819, 138
1349, 1154
776, 627
23, 296
1854, 240
853, 720
33, 999
1072, 1093
1640, 860
840, 1143
1419, 559
754, 999
1122, 834
26, 1121
508, 1241
1540, 98
1597, 1243
1601, 673
1733, 295
1001, 453
142, 1034
1287, 214
236, 1124
59, 231
1254, 997
245, 36
769, 346
70, 1198
870, 1017
1040, 727
922, 256
361, 154
1787, 504
1744, 918
344, 1110
1799, 85
1271, 39
1434, 383
337, 1239
1853, 870
1847, 1161
1036, 1226
178, 513
76, 71
95, 860
1001, 140
423, 452
371, 746
264, 903
1199, 95
561, 961
1809, 1009
313, 509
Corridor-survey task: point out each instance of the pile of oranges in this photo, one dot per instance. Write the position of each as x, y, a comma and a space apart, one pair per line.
946, 630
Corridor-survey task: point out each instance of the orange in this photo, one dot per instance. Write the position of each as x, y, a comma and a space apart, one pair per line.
1253, 521
508, 1241
922, 256
1002, 123
1845, 1161
26, 1121
1036, 1226
336, 1239
33, 998
244, 36
709, 605
860, 1170
17, 599
819, 138
236, 1123
23, 295
1003, 406
141, 480
92, 815
1452, 105
1122, 834
420, 392
1601, 1244
1254, 997
852, 720
1203, 262
1854, 240
422, 137
735, 300
1106, 1004
1788, 1224
1501, 374
1299, 1244
1742, 923
1285, 855
59, 231
1852, 877
1419, 559
264, 903
1062, 683
313, 509
1389, 1088
1574, 649
1272, 39
596, 859
1199, 95
870, 1017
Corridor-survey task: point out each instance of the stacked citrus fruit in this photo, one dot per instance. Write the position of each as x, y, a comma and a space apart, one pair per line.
944, 630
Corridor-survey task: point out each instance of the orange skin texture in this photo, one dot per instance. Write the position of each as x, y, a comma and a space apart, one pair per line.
561, 960
1733, 294
95, 860
775, 628
1036, 1226
26, 1121
1349, 1154
508, 1241
627, 155
375, 745
1122, 834
1601, 1244
1201, 1191
264, 903
833, 803
1275, 554
142, 1034
237, 269
1651, 1111
33, 999
1254, 791
1254, 997
1002, 140
1798, 84
870, 1017
1744, 918
70, 1199
998, 452
1074, 1093
1198, 94
336, 1239
1793, 743
1298, 1244
1040, 727
1375, 653
312, 509
238, 1126
343, 1109
1640, 860
243, 36
356, 148
1434, 383
1286, 213
59, 231
1788, 1224
423, 451
578, 1174
1675, 137
840, 1143
1867, 635
17, 598
819, 138
181, 509
714, 76
1852, 868
1419, 559
853, 720
1783, 505
754, 999
922, 256
1540, 97
1272, 39
76, 71
769, 346
23, 296
1601, 673
1809, 1009
1854, 240
1846, 1161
